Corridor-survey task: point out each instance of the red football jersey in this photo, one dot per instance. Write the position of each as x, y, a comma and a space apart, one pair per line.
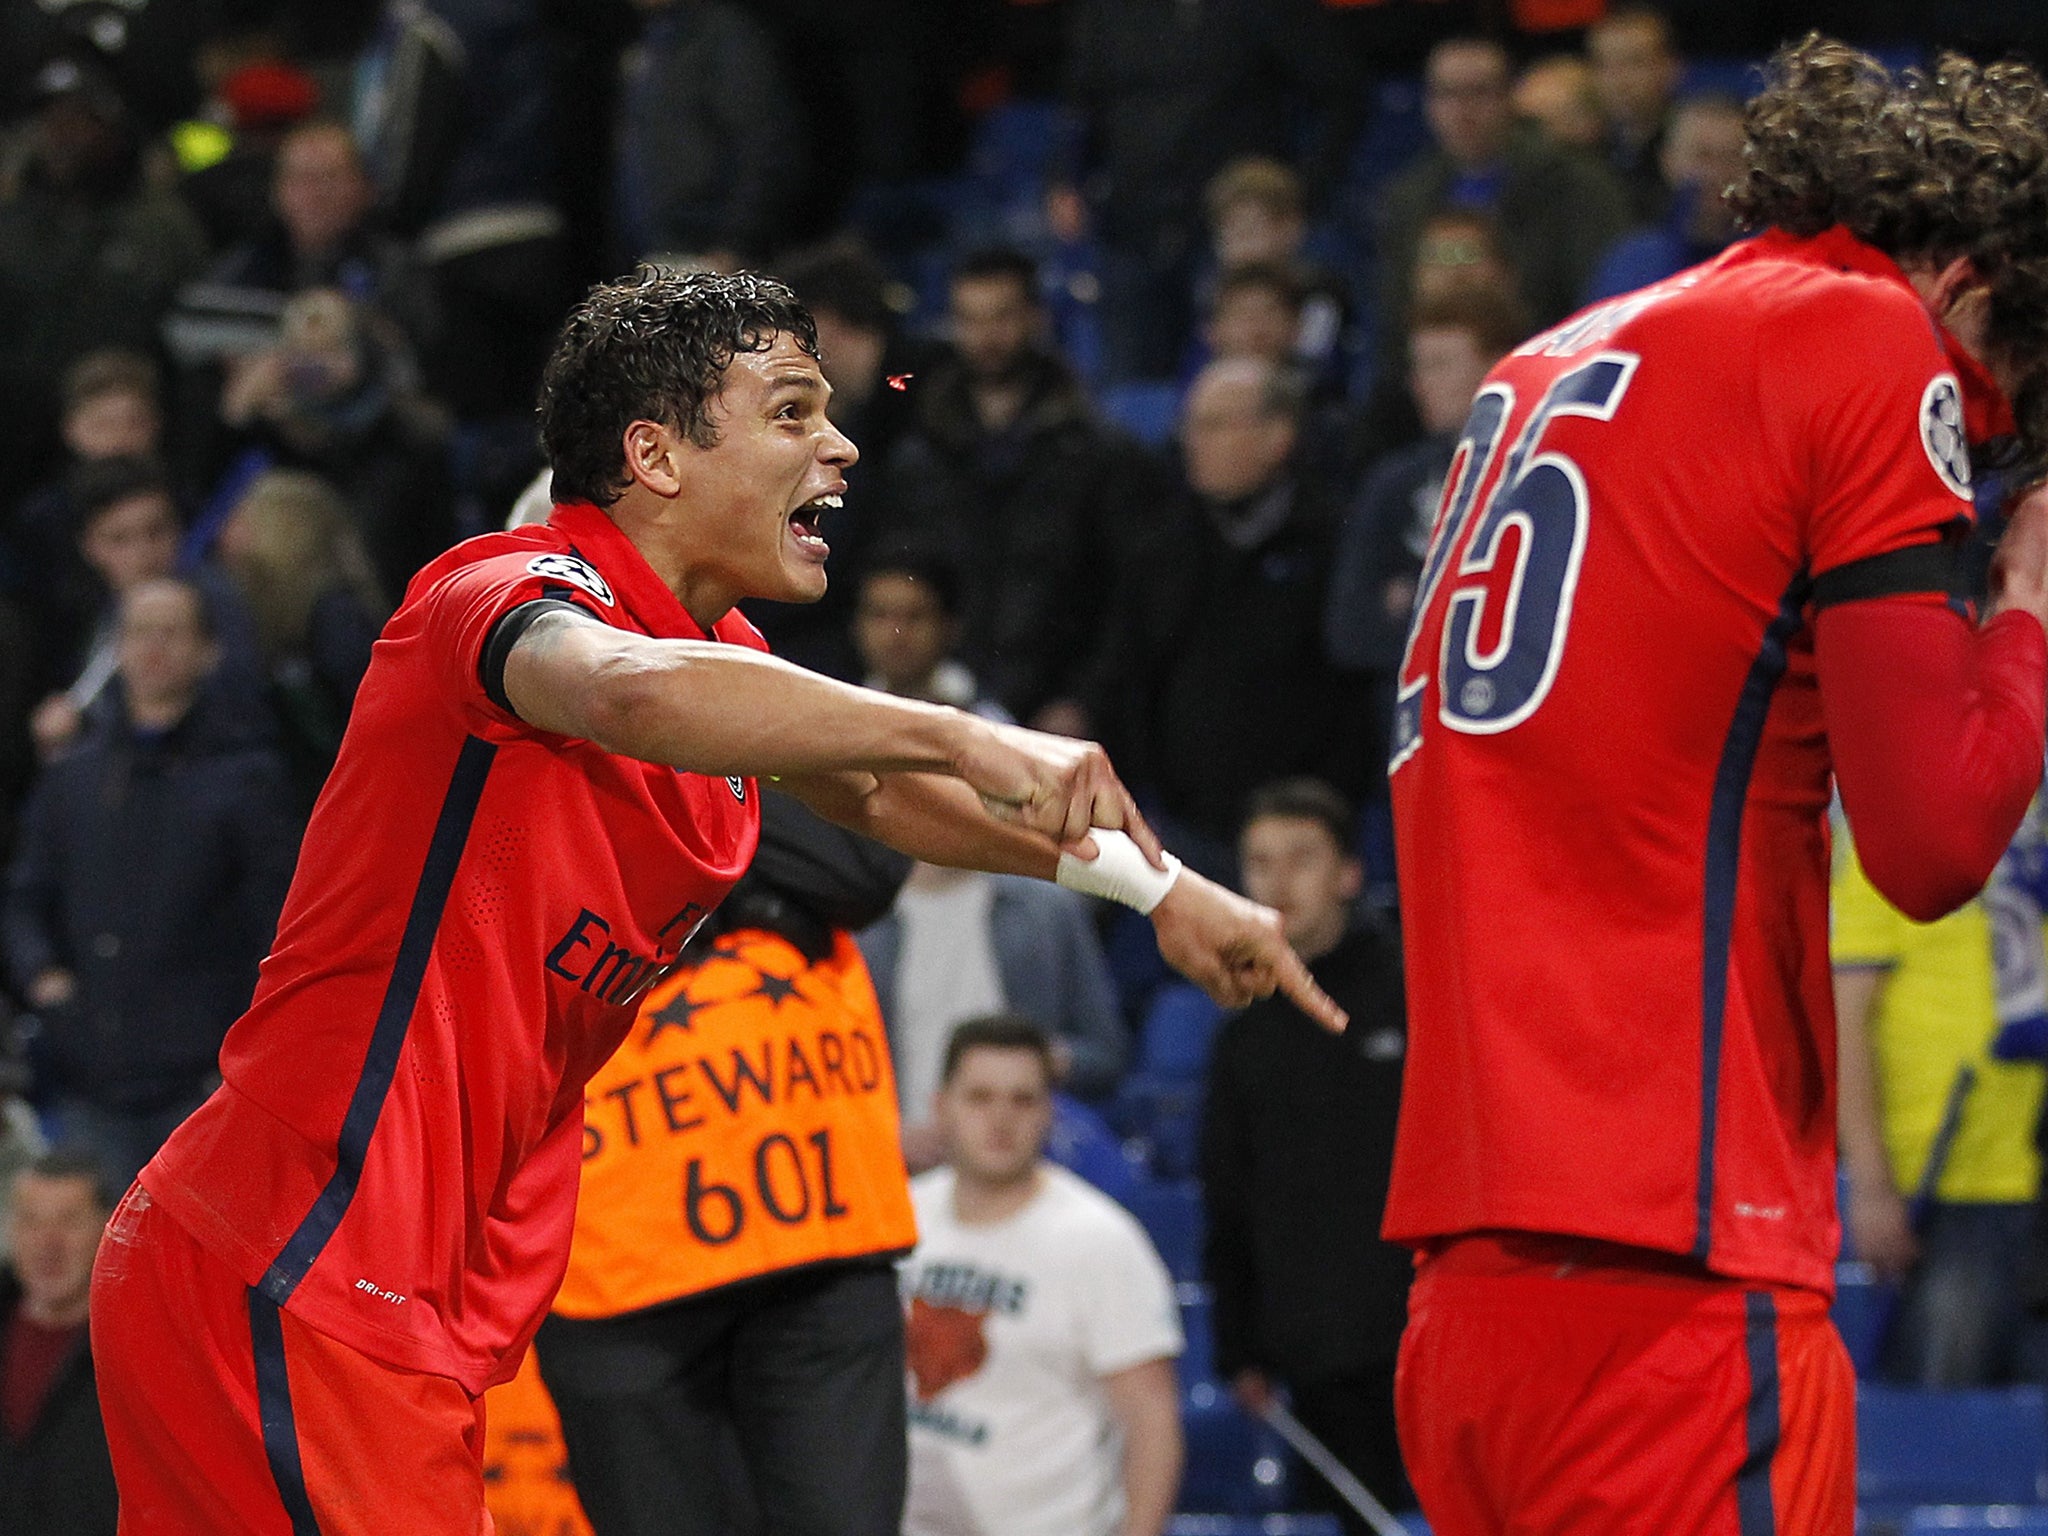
1610, 774
478, 907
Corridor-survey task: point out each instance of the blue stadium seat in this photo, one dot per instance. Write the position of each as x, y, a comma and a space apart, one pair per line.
1179, 1028
1966, 1446
1721, 75
1012, 147
1171, 1213
1082, 1143
1235, 1464
1164, 1116
1862, 1312
1147, 409
1940, 1519
1197, 1324
1251, 1525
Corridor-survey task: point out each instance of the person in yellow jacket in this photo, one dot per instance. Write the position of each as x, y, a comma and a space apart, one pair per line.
1937, 1132
727, 1345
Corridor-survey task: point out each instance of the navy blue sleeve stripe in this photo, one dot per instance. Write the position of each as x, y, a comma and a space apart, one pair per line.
1724, 869
1755, 1514
394, 1018
274, 1409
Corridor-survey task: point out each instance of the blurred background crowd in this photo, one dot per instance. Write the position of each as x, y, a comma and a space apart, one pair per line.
1155, 321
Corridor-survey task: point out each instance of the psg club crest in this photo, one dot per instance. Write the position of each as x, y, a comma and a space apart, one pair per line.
574, 571
1941, 433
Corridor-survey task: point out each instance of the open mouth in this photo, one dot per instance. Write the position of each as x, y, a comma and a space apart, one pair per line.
804, 521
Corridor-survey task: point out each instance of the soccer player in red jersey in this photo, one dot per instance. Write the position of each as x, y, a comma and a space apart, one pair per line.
548, 780
1696, 552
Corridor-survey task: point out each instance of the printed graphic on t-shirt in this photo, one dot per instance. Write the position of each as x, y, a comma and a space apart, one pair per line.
946, 1338
945, 1345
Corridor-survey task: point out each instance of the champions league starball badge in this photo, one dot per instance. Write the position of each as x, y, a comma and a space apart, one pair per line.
575, 572
1941, 433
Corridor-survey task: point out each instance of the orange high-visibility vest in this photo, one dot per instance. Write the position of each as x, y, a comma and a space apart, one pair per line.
526, 1465
748, 1125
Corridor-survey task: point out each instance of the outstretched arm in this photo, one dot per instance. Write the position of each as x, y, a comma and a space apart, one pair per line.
936, 783
720, 709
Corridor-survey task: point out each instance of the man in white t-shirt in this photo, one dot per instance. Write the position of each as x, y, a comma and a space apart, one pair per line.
1042, 1329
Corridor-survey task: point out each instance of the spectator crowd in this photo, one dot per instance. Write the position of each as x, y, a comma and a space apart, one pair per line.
1156, 322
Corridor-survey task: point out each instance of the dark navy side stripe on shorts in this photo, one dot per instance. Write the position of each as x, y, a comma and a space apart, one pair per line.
1724, 866
394, 1018
274, 1407
1755, 1514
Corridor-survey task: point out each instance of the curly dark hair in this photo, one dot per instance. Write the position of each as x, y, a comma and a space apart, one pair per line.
1931, 164
652, 347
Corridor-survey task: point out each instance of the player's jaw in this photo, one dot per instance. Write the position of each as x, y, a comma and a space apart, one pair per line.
803, 528
789, 544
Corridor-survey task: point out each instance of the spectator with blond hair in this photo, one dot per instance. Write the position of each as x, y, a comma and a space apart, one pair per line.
293, 552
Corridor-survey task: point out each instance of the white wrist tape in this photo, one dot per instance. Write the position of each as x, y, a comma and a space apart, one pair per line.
1119, 872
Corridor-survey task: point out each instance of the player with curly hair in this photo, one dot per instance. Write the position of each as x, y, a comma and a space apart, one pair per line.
549, 780
1697, 557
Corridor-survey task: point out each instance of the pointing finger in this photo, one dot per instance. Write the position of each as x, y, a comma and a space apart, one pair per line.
1300, 989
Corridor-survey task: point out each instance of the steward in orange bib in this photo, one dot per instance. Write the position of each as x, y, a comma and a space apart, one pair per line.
731, 1284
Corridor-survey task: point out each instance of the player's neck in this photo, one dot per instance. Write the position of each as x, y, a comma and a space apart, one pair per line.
649, 524
981, 1202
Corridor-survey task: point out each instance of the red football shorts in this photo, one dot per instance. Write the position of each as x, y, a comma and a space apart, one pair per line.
1550, 1386
225, 1414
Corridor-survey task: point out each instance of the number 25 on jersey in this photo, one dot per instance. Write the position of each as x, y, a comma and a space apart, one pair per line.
1506, 611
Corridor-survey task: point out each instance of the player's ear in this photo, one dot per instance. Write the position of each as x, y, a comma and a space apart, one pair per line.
1955, 284
651, 452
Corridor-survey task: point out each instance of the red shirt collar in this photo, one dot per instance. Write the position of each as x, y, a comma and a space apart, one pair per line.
1986, 412
593, 536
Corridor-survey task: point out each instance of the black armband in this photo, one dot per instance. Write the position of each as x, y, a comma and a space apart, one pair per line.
1931, 569
514, 622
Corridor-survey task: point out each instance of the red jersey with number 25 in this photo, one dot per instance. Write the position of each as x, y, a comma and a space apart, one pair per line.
1610, 774
478, 908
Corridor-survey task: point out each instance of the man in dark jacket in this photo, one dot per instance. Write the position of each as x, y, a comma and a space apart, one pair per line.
54, 1471
90, 255
1218, 679
1297, 1146
1556, 212
152, 864
1036, 505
